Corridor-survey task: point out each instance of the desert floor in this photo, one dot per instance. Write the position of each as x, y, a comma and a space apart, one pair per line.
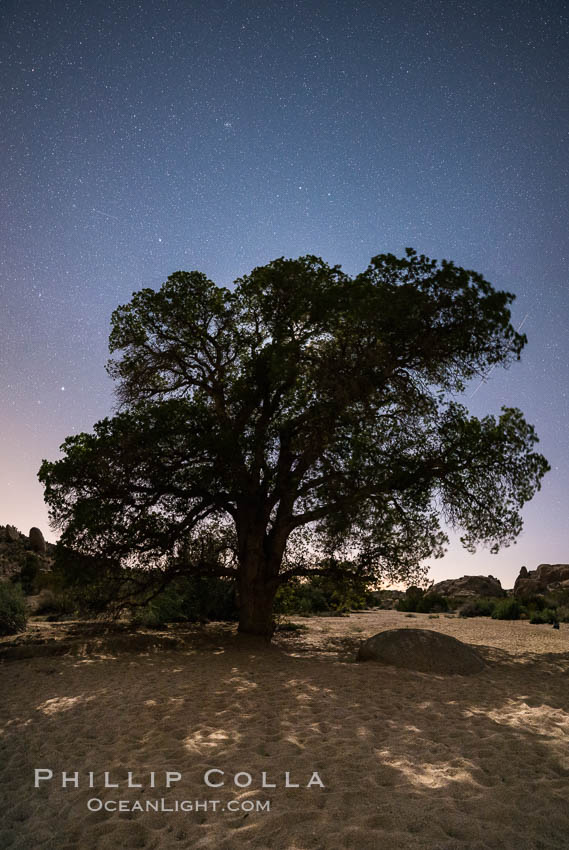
408, 760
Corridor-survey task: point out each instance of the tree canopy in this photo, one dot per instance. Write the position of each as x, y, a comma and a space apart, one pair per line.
302, 420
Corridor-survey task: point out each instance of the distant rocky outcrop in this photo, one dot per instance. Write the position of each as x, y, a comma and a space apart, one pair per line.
422, 650
16, 548
386, 599
37, 542
11, 534
469, 587
544, 579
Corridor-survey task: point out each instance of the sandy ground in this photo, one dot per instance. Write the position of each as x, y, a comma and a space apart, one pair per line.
408, 760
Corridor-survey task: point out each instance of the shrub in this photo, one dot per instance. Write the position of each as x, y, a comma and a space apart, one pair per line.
535, 603
434, 602
95, 585
91, 583
28, 574
189, 600
556, 599
478, 608
333, 596
55, 603
417, 600
12, 609
207, 598
167, 607
547, 615
413, 597
507, 609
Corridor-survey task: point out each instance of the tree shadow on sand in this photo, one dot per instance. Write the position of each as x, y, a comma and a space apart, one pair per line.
407, 759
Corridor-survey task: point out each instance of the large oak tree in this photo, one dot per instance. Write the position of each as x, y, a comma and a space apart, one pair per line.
302, 420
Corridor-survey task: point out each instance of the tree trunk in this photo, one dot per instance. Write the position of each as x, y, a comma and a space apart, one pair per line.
256, 599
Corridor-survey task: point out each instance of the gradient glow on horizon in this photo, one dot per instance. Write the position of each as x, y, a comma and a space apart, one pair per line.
143, 138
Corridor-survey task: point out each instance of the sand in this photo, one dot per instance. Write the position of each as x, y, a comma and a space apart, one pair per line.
408, 760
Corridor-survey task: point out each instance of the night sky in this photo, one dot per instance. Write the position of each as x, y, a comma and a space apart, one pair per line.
143, 138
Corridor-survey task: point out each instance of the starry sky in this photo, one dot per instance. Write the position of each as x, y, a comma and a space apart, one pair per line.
139, 138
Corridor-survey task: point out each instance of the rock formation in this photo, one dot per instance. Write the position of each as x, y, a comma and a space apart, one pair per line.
11, 534
15, 548
469, 587
546, 578
422, 650
37, 542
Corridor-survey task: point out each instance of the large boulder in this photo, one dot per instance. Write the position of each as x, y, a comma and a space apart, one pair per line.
37, 542
546, 578
470, 587
422, 650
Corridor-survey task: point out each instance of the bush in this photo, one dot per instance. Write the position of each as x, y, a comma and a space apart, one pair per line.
95, 586
29, 573
12, 609
547, 615
165, 608
304, 598
507, 609
478, 608
91, 583
420, 602
56, 603
189, 600
536, 603
556, 599
333, 596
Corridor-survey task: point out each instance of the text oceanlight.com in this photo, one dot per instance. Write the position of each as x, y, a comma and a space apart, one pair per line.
95, 804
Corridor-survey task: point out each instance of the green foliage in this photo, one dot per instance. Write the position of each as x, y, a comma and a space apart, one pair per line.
539, 609
551, 607
167, 607
28, 577
91, 586
56, 603
478, 608
321, 595
422, 602
189, 599
556, 599
12, 609
537, 603
546, 615
303, 410
507, 609
562, 614
94, 587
